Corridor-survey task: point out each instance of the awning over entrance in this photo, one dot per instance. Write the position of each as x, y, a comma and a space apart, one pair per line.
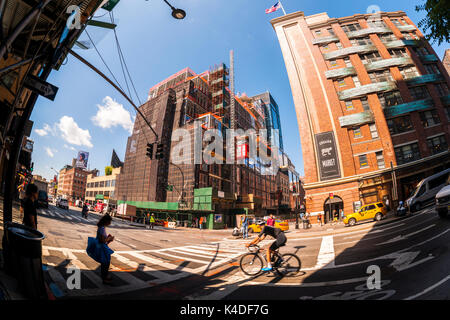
334, 200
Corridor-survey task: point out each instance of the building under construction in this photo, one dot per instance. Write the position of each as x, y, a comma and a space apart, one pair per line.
187, 100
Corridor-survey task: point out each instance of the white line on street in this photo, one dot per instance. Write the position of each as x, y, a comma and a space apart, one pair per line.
401, 237
326, 253
428, 289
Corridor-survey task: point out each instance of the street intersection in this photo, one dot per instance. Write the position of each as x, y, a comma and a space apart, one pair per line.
411, 255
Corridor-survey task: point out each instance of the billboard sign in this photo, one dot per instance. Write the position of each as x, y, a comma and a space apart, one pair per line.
328, 157
82, 159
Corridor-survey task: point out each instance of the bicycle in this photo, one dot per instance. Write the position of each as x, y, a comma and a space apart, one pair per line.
287, 264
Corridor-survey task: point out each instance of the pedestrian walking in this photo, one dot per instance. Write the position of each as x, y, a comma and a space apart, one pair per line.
308, 222
201, 222
319, 219
84, 211
388, 208
342, 214
98, 248
245, 227
271, 221
29, 206
152, 221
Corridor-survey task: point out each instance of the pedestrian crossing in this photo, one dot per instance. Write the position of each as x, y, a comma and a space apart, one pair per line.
138, 269
75, 217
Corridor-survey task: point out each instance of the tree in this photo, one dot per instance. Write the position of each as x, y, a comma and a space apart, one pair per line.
438, 13
108, 170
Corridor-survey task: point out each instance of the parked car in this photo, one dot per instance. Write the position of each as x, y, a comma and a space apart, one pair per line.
63, 203
443, 201
373, 211
426, 191
42, 199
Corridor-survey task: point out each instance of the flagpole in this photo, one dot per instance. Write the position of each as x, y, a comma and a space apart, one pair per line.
282, 8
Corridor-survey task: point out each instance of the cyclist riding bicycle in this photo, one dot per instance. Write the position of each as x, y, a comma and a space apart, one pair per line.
280, 240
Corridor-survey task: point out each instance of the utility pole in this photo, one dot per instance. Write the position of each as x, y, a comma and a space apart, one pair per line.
232, 120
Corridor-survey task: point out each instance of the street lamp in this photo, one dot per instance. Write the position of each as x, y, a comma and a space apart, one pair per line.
176, 13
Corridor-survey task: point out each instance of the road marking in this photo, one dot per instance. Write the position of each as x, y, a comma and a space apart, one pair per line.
375, 231
133, 264
428, 289
310, 284
401, 237
326, 253
225, 289
392, 255
403, 261
187, 259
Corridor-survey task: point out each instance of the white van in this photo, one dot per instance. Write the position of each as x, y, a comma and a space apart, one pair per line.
426, 191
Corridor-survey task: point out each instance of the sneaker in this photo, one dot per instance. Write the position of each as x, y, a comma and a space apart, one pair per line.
267, 269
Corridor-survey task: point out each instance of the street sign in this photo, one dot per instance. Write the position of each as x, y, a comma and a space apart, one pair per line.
43, 88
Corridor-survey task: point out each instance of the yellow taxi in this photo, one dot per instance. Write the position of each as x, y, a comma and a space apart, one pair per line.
254, 227
373, 211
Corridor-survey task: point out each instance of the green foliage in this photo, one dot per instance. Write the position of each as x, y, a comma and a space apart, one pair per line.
108, 170
436, 21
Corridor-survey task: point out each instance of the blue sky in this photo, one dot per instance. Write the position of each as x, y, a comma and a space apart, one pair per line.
155, 46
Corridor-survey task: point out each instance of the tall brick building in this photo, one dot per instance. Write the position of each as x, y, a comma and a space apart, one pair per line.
369, 94
446, 60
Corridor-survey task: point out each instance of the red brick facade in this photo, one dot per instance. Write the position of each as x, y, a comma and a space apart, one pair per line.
379, 89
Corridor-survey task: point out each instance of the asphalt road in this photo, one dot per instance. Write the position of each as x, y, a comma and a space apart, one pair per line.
410, 255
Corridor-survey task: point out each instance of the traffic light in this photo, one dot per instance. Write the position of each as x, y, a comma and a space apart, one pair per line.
150, 150
159, 151
32, 165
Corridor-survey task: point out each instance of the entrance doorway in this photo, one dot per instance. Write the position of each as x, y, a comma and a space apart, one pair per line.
330, 207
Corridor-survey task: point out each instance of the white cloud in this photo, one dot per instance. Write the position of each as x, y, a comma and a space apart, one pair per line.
70, 148
45, 130
50, 152
112, 114
72, 133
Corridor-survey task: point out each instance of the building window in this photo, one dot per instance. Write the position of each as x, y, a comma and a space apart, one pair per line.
333, 63
381, 76
348, 105
363, 163
432, 69
419, 93
389, 99
348, 63
437, 144
356, 81
318, 33
102, 184
376, 24
351, 27
407, 36
442, 89
388, 37
380, 160
107, 183
341, 83
421, 51
409, 72
429, 118
373, 131
113, 183
447, 111
361, 42
331, 31
396, 22
96, 185
325, 47
400, 125
365, 104
370, 57
398, 53
407, 153
357, 133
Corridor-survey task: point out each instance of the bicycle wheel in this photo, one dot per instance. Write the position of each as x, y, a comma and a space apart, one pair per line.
290, 265
251, 264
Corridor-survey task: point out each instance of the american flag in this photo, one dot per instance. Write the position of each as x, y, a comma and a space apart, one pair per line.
274, 8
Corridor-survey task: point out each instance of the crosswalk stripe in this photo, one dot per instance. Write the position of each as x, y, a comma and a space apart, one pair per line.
156, 261
91, 275
134, 265
184, 258
51, 214
199, 253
